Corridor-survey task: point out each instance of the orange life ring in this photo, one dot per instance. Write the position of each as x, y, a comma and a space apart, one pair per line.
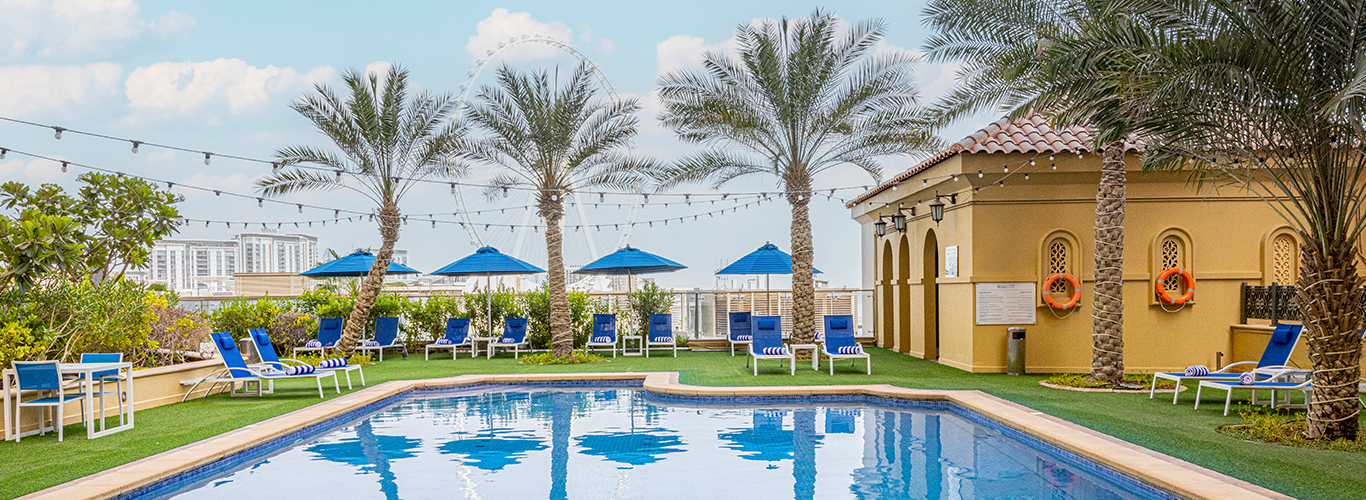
1162, 290
1048, 297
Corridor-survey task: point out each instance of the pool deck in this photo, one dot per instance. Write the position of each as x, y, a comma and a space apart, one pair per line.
1177, 476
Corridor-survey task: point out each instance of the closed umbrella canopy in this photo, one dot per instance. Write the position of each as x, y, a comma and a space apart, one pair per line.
356, 264
488, 261
630, 261
768, 259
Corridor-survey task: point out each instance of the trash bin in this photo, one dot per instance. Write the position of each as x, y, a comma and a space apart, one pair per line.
248, 351
1015, 350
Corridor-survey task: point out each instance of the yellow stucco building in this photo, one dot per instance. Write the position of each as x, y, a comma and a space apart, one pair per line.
1019, 205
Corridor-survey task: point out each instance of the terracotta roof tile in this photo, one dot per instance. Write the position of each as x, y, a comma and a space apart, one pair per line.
1029, 134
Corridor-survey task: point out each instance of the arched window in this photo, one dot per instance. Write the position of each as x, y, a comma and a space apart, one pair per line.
1058, 259
1171, 248
1285, 266
1173, 255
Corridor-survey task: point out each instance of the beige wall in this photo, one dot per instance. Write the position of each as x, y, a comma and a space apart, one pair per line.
1001, 233
273, 284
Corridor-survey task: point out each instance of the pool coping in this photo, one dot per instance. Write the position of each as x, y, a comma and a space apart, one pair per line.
1176, 476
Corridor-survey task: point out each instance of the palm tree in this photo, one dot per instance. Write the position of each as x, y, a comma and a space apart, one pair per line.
1004, 46
553, 141
1265, 94
803, 96
388, 142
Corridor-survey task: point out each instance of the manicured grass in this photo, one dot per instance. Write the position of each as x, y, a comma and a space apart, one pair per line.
1177, 430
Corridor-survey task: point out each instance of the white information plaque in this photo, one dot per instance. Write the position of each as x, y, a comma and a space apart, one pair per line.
951, 262
1005, 304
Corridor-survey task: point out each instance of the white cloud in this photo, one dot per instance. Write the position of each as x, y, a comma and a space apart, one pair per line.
79, 28
45, 90
683, 52
34, 171
503, 26
170, 88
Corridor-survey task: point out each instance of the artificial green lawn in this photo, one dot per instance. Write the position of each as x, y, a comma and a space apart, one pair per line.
1177, 430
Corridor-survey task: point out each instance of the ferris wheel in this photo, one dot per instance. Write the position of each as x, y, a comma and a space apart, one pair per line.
590, 229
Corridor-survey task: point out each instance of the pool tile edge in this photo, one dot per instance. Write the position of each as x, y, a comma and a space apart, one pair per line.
1169, 473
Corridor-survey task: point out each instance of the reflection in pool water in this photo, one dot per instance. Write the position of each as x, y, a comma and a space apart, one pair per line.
537, 442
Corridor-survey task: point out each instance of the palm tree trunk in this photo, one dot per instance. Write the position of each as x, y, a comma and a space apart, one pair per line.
803, 284
374, 281
1107, 315
561, 338
1329, 299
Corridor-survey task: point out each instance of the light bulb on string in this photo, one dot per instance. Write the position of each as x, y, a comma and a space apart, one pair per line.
1031, 162
274, 167
339, 172
1050, 157
58, 133
64, 164
301, 208
979, 174
135, 147
260, 202
2, 153
207, 156
1005, 168
1054, 165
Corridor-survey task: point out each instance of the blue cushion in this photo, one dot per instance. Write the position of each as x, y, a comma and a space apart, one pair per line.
839, 322
1282, 335
765, 324
659, 319
225, 342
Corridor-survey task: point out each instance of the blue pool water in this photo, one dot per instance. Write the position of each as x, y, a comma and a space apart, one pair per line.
561, 443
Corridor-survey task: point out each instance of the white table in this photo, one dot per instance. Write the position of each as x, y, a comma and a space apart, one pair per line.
815, 353
625, 344
474, 345
88, 385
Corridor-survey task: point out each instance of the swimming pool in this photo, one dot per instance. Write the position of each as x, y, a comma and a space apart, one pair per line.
624, 442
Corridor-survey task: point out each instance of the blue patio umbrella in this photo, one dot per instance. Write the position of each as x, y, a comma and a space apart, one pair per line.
630, 261
488, 261
356, 264
768, 259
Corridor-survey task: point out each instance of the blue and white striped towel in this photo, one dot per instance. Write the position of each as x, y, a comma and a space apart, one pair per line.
659, 340
300, 370
1247, 378
1197, 371
509, 340
775, 351
602, 340
332, 363
313, 344
444, 341
743, 338
371, 343
849, 349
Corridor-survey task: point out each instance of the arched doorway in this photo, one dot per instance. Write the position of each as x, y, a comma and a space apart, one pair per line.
930, 285
903, 295
887, 314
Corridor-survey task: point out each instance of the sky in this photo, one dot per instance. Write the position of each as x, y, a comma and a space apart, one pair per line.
219, 77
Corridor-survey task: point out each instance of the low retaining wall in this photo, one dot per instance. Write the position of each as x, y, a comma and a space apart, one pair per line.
152, 387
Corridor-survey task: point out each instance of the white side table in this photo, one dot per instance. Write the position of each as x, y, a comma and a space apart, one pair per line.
815, 353
626, 344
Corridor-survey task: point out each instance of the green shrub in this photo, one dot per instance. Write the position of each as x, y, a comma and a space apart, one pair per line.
67, 317
581, 310
649, 299
475, 306
177, 331
238, 315
336, 306
309, 301
16, 342
1286, 428
292, 329
425, 320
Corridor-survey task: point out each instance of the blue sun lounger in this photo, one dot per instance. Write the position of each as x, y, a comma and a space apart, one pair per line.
1275, 357
458, 333
271, 362
741, 332
386, 335
768, 343
661, 334
604, 333
236, 371
329, 333
840, 343
514, 337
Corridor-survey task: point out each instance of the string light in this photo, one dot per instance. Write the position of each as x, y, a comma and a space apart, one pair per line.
207, 157
135, 147
2, 153
64, 165
59, 130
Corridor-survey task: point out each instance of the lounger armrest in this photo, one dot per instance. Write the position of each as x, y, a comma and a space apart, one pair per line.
1240, 363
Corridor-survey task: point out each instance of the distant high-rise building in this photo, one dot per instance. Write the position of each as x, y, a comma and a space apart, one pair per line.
276, 253
400, 256
191, 267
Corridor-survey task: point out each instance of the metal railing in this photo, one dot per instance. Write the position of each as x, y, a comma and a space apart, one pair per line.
1274, 302
697, 313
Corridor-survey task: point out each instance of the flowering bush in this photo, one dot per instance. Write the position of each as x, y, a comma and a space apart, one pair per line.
176, 331
16, 342
577, 357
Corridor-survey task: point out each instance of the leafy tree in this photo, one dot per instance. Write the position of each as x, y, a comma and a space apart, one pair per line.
648, 299
801, 97
116, 220
1007, 66
1268, 95
387, 142
554, 141
36, 244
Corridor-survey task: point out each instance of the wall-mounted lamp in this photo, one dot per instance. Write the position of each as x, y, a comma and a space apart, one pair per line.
898, 221
937, 208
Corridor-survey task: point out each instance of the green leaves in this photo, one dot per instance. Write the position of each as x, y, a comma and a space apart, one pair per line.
37, 244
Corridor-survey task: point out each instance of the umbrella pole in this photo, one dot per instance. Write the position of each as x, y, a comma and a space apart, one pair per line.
488, 277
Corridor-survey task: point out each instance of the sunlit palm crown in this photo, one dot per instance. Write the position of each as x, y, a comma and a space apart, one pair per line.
802, 97
387, 141
553, 139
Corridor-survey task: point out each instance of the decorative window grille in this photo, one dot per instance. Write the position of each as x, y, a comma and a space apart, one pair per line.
1057, 263
1284, 268
1171, 257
